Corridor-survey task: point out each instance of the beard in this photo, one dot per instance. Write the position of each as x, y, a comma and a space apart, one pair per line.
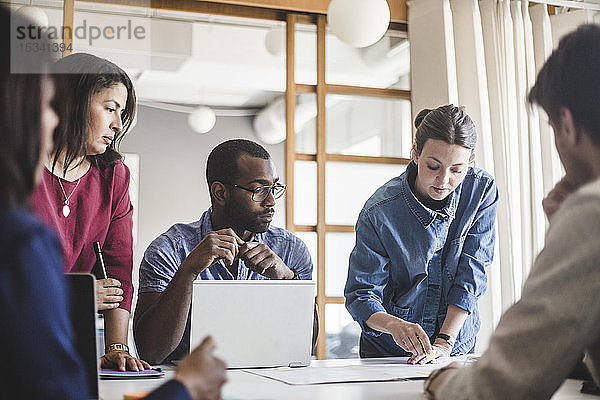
245, 220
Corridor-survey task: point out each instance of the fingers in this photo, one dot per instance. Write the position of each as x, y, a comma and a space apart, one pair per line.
108, 294
552, 202
413, 346
417, 359
225, 250
250, 249
410, 344
132, 364
222, 245
412, 339
258, 257
108, 282
230, 232
107, 306
207, 346
123, 362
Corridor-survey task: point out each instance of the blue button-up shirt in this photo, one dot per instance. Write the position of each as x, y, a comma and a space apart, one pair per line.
165, 254
412, 262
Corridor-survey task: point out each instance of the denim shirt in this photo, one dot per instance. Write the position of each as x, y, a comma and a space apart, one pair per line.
412, 262
165, 254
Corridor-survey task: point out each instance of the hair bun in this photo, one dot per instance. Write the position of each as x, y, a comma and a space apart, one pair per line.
421, 116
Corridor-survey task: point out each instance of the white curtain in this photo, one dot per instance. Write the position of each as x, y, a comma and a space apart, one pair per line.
492, 52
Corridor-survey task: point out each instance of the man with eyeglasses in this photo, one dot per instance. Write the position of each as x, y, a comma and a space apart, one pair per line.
233, 239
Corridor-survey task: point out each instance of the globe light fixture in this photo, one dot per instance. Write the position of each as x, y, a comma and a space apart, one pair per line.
202, 119
35, 14
358, 23
275, 41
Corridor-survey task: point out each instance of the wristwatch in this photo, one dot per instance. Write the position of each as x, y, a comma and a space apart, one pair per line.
296, 274
117, 347
447, 338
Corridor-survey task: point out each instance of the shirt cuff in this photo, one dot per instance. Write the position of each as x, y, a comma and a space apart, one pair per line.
459, 297
362, 310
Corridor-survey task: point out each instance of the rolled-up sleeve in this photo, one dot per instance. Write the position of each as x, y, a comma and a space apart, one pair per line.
477, 253
367, 274
159, 264
300, 259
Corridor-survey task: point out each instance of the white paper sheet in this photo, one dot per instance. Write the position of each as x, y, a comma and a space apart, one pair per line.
348, 373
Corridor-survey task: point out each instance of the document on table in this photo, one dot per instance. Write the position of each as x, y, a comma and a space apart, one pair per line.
348, 373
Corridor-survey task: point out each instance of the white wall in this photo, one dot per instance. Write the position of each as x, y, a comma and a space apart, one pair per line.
172, 180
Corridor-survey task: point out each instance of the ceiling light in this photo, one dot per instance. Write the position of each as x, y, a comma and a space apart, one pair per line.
202, 119
358, 23
275, 41
35, 14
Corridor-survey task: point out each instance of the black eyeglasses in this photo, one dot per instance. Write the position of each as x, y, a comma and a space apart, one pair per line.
260, 193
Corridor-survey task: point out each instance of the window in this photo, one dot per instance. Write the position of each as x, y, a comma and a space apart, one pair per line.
348, 132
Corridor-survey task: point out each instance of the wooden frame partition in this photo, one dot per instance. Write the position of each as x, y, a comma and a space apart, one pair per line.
321, 89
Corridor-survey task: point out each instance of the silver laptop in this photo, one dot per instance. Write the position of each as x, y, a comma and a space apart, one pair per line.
255, 323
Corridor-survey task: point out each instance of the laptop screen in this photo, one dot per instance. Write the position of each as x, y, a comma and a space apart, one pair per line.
255, 323
82, 309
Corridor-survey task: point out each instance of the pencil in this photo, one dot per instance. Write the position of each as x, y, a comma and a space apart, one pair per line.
428, 355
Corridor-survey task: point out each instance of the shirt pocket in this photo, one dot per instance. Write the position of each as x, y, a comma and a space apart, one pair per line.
404, 313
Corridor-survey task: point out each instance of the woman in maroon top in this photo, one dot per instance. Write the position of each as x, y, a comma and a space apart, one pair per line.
84, 193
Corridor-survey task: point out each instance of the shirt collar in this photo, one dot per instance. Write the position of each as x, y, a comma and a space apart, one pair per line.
424, 214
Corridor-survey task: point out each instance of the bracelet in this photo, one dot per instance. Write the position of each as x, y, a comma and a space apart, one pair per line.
117, 347
432, 377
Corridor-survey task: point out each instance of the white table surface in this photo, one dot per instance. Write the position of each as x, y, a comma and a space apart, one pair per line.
242, 385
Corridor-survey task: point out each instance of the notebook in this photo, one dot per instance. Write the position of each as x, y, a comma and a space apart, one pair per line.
255, 323
82, 309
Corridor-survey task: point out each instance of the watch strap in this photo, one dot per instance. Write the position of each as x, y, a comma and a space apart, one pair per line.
117, 347
447, 338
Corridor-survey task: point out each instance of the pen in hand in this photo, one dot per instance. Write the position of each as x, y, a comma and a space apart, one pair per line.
429, 356
99, 269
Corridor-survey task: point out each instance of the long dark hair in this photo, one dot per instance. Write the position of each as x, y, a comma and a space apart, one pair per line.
570, 78
448, 123
20, 113
78, 78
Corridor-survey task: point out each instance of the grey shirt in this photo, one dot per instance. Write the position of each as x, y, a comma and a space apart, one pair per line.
541, 337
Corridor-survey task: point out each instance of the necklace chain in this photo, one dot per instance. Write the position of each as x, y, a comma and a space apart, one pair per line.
65, 193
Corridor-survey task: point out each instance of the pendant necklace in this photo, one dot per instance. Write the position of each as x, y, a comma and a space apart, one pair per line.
66, 210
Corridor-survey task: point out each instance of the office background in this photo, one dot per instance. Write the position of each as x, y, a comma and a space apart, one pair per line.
352, 115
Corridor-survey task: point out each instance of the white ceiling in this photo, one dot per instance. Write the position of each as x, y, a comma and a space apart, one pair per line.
197, 59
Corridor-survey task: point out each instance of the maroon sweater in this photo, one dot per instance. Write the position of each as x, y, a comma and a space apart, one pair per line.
100, 211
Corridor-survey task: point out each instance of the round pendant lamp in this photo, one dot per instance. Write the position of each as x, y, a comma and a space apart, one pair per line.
202, 119
358, 23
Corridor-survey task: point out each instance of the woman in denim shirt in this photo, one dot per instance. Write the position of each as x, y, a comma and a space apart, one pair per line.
423, 241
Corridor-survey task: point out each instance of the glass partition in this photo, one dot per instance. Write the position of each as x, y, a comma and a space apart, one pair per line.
349, 185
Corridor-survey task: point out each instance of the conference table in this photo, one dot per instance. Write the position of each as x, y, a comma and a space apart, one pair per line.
246, 384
